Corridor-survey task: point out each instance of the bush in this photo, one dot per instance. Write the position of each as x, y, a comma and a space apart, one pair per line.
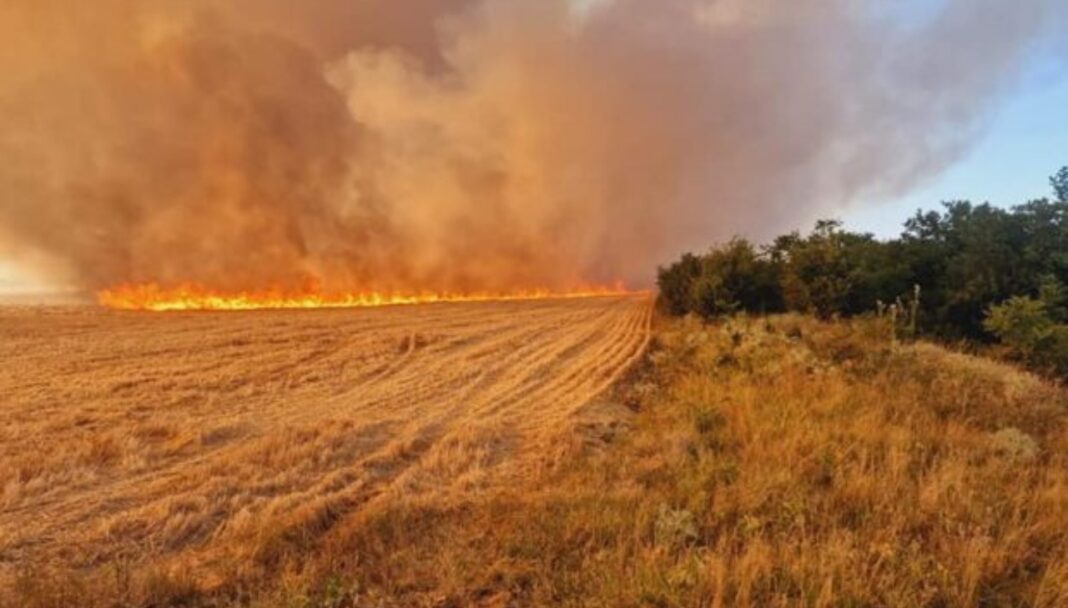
1055, 350
727, 279
736, 277
1026, 326
676, 284
1020, 323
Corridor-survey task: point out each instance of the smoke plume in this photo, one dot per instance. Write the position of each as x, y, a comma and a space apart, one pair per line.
469, 144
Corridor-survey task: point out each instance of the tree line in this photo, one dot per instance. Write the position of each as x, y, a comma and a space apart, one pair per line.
970, 271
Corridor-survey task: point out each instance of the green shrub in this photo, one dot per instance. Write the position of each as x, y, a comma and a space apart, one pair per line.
676, 284
1055, 349
1021, 323
1026, 326
736, 277
727, 279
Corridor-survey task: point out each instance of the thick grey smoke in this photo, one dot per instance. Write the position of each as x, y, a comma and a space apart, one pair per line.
468, 144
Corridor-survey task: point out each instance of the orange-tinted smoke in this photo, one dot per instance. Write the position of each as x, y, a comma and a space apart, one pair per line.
467, 146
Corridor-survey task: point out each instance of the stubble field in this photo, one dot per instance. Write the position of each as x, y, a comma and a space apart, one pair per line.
207, 441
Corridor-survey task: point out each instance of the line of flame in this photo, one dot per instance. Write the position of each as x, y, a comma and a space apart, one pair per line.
152, 297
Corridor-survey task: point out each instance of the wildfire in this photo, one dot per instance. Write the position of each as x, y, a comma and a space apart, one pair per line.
155, 298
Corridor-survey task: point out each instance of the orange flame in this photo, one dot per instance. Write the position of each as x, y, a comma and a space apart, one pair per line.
191, 297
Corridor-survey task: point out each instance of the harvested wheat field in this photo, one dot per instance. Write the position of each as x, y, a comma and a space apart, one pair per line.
193, 440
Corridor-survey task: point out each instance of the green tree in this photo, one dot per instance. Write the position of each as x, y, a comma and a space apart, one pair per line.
967, 258
1045, 234
816, 273
985, 272
736, 277
676, 284
1060, 184
1054, 296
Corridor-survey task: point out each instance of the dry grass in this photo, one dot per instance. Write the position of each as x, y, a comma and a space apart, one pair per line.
780, 463
770, 463
146, 457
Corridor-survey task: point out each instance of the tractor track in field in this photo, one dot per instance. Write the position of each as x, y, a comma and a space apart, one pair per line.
169, 436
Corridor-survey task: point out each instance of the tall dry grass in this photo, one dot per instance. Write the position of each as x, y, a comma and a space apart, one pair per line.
777, 463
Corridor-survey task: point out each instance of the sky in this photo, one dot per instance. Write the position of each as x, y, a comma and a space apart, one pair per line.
1025, 145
